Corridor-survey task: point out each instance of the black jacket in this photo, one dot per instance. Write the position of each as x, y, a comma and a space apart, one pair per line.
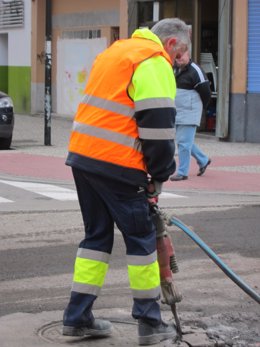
193, 77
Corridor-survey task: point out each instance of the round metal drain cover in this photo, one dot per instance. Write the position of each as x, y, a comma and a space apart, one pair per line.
124, 334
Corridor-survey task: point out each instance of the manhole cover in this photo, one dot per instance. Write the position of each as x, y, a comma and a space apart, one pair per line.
124, 334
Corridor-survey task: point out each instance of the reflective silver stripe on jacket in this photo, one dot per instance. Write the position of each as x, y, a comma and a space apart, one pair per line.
156, 134
108, 105
85, 288
154, 103
93, 255
146, 294
107, 135
141, 259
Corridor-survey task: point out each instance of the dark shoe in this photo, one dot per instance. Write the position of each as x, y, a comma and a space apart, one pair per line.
149, 335
178, 178
203, 168
99, 327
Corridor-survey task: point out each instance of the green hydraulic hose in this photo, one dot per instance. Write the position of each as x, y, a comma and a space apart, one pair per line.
215, 258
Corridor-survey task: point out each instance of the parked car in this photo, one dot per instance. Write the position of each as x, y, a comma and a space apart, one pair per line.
6, 120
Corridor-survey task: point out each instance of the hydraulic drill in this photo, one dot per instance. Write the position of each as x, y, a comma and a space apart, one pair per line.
167, 264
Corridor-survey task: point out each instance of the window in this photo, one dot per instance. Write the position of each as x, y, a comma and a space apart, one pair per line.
145, 13
82, 34
11, 13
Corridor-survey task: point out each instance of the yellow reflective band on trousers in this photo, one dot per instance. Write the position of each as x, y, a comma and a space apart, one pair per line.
91, 272
144, 277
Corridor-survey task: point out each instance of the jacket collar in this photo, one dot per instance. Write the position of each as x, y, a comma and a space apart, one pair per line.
145, 33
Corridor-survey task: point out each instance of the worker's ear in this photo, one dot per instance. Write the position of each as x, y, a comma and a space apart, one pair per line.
170, 43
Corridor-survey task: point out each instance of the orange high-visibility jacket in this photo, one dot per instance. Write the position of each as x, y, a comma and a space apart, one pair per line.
105, 132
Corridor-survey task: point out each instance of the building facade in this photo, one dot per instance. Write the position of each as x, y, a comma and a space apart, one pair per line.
227, 33
244, 115
15, 52
225, 41
80, 30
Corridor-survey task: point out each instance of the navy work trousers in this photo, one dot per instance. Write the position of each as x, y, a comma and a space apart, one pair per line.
103, 202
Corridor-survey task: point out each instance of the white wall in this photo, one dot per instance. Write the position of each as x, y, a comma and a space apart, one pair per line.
75, 59
19, 40
3, 49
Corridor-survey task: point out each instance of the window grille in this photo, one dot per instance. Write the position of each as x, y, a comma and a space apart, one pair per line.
11, 13
81, 34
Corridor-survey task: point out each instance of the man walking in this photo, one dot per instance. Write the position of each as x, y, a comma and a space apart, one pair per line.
193, 94
121, 151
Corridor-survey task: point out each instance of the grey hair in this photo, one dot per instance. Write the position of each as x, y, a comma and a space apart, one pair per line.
172, 27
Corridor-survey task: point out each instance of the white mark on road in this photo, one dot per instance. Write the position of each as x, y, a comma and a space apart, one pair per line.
4, 200
170, 195
60, 193
51, 191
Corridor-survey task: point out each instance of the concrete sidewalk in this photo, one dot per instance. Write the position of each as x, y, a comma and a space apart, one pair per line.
235, 166
28, 138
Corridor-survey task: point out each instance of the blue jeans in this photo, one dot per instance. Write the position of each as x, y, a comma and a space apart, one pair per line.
185, 135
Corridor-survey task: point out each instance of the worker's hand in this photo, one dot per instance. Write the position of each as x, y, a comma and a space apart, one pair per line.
154, 188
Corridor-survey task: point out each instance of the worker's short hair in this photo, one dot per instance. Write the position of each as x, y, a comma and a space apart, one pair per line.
172, 27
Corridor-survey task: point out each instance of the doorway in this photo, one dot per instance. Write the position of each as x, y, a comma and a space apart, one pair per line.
203, 17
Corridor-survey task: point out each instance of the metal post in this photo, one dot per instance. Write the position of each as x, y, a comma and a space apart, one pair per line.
47, 98
156, 11
196, 30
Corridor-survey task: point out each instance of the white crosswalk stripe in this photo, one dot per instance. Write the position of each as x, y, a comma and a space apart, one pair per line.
58, 193
5, 200
49, 190
167, 195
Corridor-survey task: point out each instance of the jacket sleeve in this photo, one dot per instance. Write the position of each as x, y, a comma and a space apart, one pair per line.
153, 91
205, 93
201, 84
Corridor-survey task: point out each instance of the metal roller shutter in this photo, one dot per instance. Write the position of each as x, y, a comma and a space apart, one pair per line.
253, 83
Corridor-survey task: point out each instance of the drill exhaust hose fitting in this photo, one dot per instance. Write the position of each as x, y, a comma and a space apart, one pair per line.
215, 258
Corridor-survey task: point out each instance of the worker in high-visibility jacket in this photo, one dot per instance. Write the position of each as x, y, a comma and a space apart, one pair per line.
121, 149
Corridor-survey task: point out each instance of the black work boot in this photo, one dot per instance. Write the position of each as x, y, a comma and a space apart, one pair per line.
149, 335
99, 328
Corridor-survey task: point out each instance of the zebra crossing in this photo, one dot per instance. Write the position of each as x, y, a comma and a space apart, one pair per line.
2, 200
48, 190
51, 191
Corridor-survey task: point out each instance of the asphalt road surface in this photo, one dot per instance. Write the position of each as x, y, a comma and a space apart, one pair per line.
41, 226
38, 250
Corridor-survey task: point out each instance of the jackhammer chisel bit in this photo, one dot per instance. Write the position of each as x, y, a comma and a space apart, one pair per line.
167, 264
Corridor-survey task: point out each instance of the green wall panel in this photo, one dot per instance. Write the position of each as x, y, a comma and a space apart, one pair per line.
19, 87
4, 79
